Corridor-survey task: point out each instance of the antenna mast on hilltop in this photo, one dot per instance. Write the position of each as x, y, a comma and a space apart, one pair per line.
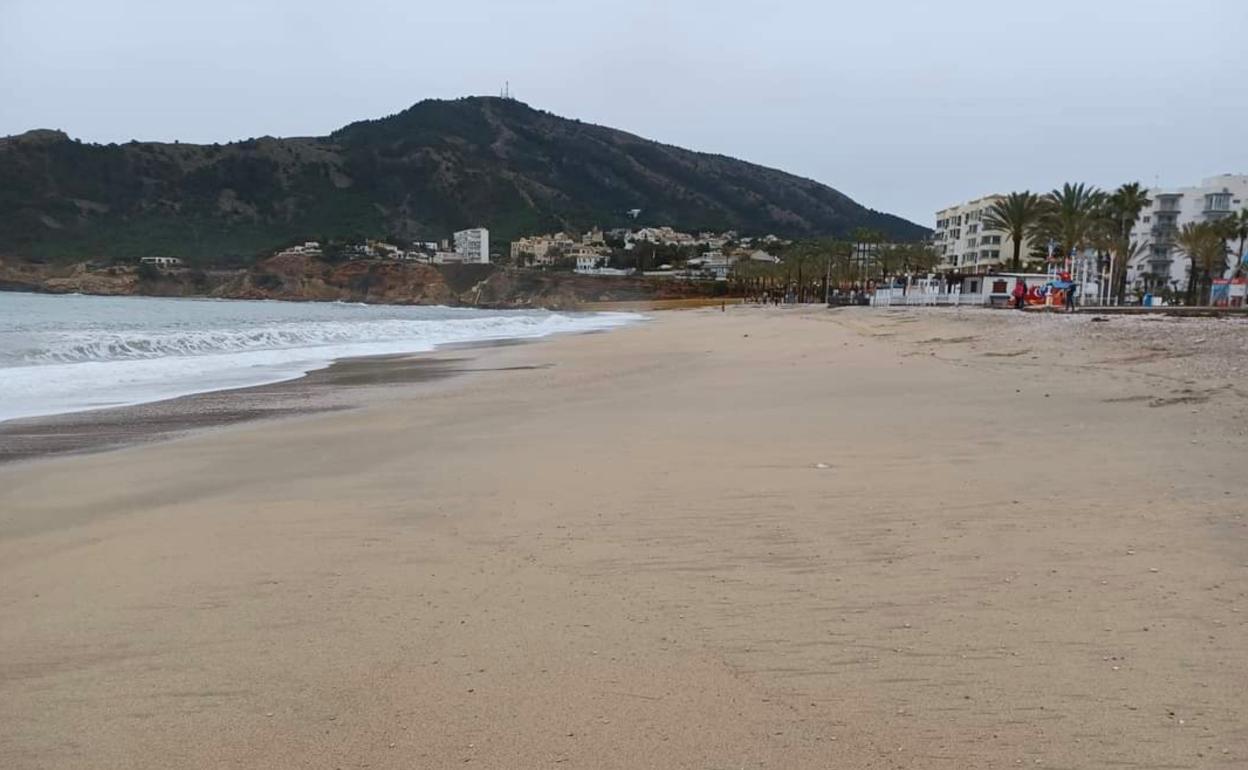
506, 92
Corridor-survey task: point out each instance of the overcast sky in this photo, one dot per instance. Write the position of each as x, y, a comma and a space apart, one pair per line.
904, 105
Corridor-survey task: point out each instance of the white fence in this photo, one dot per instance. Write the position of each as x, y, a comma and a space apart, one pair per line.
929, 296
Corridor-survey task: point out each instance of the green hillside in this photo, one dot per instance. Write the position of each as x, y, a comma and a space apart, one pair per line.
419, 174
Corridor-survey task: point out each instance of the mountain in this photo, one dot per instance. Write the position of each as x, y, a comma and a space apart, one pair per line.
420, 174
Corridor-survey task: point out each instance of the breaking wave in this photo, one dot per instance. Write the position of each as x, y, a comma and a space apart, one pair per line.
65, 354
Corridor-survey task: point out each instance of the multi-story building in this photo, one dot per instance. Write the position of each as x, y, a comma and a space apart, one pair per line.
965, 245
473, 245
541, 249
1160, 263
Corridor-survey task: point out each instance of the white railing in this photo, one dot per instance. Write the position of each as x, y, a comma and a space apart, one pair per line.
920, 296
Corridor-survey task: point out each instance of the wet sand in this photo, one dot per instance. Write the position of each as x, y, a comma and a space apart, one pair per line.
345, 384
759, 538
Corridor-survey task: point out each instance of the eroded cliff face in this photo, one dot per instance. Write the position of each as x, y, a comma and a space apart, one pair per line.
296, 277
293, 277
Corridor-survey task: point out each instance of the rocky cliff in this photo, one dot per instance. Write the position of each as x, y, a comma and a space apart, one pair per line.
291, 277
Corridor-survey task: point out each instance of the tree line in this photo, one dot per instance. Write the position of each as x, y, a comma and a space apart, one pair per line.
809, 269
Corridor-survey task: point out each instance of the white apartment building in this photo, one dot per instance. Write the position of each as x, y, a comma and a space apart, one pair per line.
1160, 262
963, 243
473, 245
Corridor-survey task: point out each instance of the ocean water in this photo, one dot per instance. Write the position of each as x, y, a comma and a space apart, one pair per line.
72, 353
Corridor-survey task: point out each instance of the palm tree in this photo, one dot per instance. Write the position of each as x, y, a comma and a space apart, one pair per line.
1237, 229
1122, 210
865, 244
1071, 214
919, 257
1205, 245
1018, 214
890, 259
800, 257
840, 256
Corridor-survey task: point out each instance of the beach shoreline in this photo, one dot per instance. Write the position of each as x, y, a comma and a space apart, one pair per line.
79, 374
778, 537
347, 383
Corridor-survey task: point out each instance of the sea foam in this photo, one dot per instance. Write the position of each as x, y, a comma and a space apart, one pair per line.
65, 354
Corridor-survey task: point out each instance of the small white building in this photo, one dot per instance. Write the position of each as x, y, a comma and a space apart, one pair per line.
161, 261
589, 261
712, 264
473, 245
593, 260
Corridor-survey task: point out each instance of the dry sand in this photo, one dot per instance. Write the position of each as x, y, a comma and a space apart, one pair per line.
759, 538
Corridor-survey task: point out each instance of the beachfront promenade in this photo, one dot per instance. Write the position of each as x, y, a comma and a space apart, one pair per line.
757, 537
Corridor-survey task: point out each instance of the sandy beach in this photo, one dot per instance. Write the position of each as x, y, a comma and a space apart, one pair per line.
754, 538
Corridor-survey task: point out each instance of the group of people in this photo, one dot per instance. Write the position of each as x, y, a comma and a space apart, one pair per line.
1064, 285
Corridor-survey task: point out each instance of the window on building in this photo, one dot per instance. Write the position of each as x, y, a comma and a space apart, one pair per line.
1218, 202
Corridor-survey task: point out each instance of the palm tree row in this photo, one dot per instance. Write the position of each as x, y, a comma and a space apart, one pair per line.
1204, 243
808, 268
1078, 217
1073, 218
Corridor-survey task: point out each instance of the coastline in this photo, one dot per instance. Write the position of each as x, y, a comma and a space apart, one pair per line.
345, 384
317, 391
767, 537
111, 379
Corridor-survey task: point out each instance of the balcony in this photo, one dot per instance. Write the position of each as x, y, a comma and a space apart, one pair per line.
1168, 203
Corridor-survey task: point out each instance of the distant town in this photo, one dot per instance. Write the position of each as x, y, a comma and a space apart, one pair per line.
1133, 245
650, 251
